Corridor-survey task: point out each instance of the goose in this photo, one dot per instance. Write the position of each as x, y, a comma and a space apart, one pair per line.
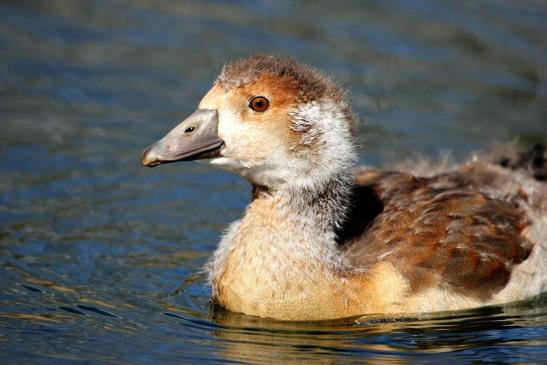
323, 239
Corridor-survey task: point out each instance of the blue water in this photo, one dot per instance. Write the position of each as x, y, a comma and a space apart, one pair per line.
100, 259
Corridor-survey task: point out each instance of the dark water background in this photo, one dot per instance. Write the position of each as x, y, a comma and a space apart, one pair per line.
100, 258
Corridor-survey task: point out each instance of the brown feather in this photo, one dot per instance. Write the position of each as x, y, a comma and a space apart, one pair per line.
310, 84
448, 236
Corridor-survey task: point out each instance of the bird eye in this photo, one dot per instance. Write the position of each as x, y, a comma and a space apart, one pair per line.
259, 104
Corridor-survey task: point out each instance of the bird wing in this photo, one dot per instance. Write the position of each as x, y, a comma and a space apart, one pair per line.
434, 235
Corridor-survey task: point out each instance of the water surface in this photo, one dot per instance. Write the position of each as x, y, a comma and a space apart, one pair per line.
100, 259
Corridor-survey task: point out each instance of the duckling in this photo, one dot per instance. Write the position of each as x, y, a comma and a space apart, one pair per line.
322, 239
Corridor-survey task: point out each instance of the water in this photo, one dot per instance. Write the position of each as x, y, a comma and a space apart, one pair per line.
100, 259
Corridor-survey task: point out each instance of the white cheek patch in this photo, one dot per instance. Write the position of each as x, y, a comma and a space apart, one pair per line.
234, 133
249, 151
230, 127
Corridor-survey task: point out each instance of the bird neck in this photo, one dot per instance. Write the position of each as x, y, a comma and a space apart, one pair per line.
320, 205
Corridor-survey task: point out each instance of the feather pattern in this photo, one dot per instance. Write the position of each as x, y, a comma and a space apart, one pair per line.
320, 240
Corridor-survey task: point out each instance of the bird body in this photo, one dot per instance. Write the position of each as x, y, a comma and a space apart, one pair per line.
321, 239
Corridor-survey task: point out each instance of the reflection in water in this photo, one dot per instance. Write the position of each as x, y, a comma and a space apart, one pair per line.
101, 261
374, 338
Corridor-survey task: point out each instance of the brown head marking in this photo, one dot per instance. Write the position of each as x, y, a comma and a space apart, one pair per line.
305, 83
